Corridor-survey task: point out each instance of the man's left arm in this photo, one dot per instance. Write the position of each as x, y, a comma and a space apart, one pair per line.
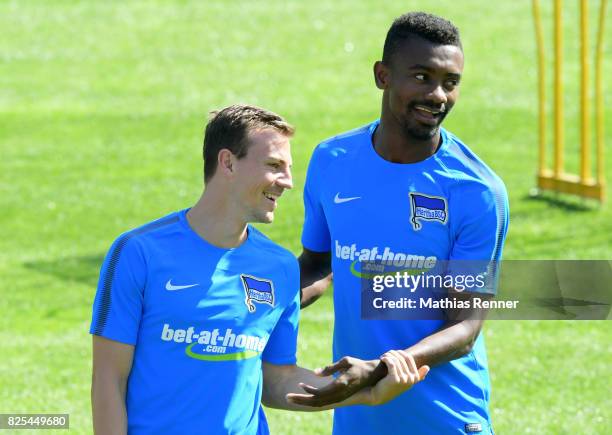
454, 340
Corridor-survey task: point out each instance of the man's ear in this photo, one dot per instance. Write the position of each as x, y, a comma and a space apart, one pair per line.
381, 75
225, 162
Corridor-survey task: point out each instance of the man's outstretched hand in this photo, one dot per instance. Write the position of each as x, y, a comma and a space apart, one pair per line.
403, 375
360, 384
354, 374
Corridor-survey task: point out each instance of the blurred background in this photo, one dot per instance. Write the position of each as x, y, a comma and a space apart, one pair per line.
102, 111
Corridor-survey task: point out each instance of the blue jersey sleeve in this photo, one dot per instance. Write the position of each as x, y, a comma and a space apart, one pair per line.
481, 232
117, 307
483, 224
315, 233
281, 348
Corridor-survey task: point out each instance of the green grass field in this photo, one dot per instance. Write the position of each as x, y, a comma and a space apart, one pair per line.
102, 109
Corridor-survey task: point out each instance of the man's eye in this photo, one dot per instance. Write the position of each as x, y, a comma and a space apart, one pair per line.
274, 165
420, 77
452, 83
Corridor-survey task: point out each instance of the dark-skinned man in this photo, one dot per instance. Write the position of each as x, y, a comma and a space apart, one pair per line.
401, 188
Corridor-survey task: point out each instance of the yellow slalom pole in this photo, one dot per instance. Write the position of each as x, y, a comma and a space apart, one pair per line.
558, 91
585, 97
599, 112
541, 85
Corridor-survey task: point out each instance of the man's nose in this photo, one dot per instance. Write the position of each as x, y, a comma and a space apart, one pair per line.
285, 180
438, 95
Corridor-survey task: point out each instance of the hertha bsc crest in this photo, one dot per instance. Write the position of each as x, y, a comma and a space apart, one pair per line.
427, 208
257, 290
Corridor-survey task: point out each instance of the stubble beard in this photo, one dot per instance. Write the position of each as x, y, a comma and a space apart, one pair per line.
413, 130
419, 133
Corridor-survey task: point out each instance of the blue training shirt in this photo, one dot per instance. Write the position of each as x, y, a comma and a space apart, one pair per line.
202, 320
450, 206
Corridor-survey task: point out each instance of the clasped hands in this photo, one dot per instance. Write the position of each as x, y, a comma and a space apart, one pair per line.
372, 382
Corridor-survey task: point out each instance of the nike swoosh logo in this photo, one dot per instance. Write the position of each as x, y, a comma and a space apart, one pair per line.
339, 200
171, 287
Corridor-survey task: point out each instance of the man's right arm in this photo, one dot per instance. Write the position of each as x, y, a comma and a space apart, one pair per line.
315, 275
112, 362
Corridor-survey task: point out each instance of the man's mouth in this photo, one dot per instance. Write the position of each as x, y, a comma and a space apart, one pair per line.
427, 114
272, 196
428, 109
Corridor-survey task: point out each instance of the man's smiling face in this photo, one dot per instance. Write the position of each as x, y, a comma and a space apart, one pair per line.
263, 175
422, 84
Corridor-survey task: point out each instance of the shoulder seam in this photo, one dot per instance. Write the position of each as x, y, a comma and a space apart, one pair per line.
107, 280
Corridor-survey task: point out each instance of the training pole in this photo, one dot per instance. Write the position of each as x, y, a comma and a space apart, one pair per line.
556, 179
541, 87
599, 104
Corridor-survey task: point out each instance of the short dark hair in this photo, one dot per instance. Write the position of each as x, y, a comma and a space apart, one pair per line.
228, 128
427, 26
